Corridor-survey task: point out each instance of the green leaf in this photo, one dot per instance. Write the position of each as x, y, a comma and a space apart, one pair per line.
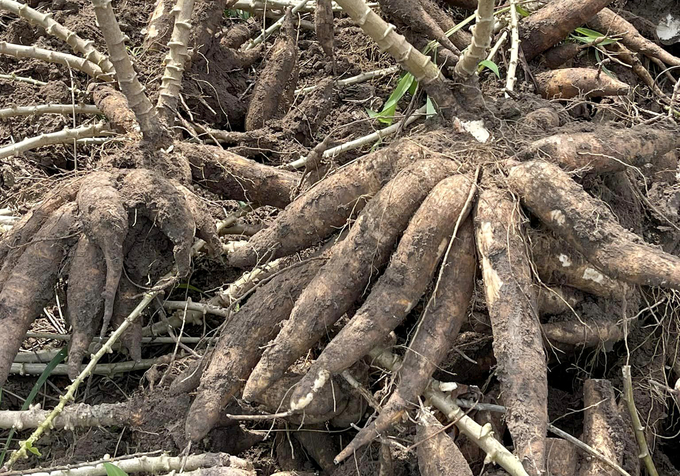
113, 470
406, 83
522, 11
189, 287
59, 358
430, 110
491, 65
589, 36
32, 449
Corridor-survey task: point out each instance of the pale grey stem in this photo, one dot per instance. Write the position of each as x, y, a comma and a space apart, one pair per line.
637, 424
108, 370
203, 308
62, 137
481, 40
147, 464
133, 90
145, 340
171, 83
73, 62
514, 48
8, 220
56, 29
48, 109
385, 35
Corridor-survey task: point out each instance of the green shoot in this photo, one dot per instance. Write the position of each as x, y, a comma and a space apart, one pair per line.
113, 470
241, 14
31, 396
490, 65
522, 11
388, 111
586, 35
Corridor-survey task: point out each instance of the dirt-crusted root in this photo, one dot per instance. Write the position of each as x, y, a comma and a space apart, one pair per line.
13, 243
105, 221
333, 399
603, 427
325, 208
352, 264
240, 344
323, 26
556, 262
127, 299
134, 218
415, 16
590, 227
571, 82
437, 453
231, 175
433, 337
398, 290
517, 340
273, 81
608, 150
30, 285
84, 299
156, 198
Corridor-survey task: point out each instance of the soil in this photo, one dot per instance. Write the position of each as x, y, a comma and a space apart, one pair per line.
217, 92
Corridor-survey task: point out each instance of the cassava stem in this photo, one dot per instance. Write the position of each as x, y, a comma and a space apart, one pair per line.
71, 61
147, 117
481, 40
177, 56
54, 28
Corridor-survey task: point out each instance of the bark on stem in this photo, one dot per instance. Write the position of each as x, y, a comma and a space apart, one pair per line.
147, 117
481, 40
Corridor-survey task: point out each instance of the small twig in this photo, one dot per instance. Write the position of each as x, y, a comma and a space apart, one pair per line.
587, 448
356, 385
145, 340
360, 78
674, 98
73, 62
23, 79
203, 308
274, 27
266, 417
637, 425
361, 141
64, 136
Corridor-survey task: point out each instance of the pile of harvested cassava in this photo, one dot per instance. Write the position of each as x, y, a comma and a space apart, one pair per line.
283, 283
